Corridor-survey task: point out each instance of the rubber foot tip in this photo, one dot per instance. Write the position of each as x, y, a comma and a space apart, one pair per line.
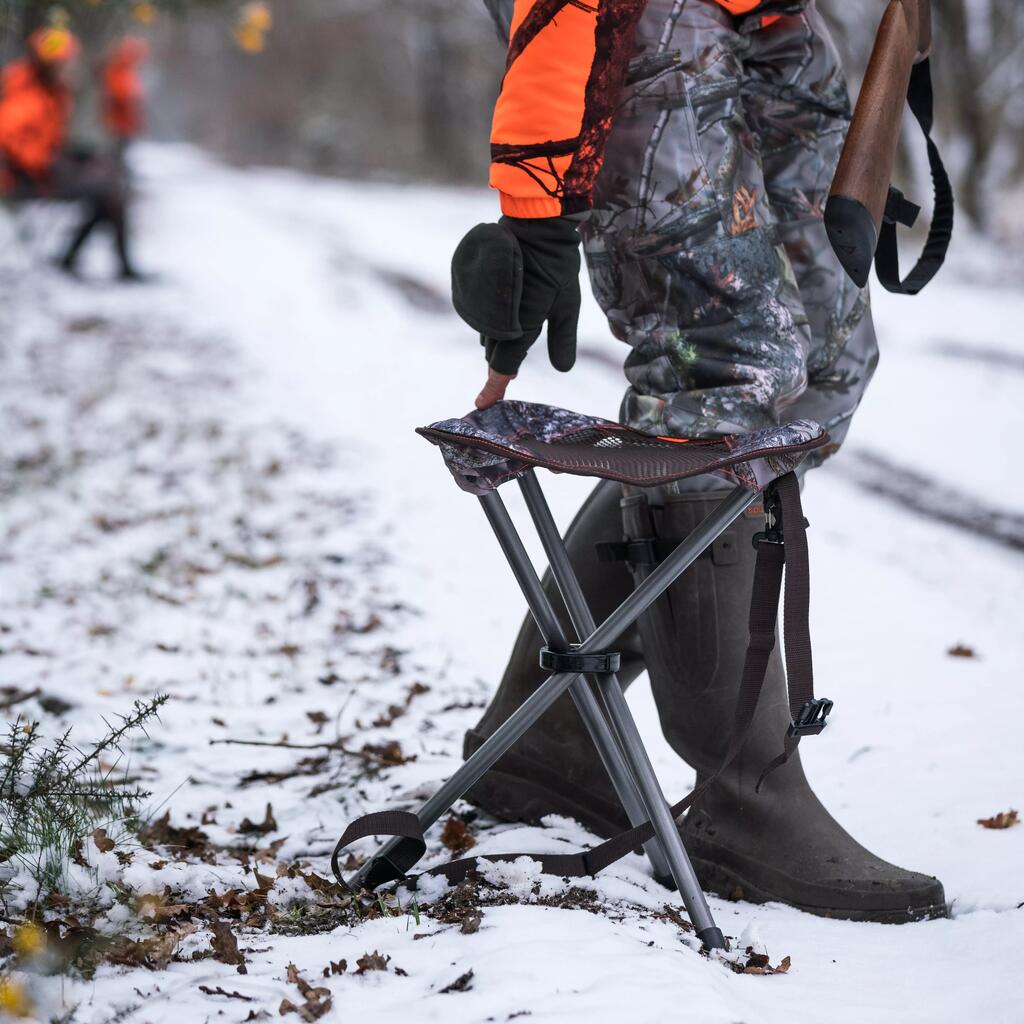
712, 938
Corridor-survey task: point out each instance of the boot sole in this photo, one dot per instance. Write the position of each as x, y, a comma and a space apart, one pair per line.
732, 886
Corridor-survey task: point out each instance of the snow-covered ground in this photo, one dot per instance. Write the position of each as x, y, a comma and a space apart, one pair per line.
211, 488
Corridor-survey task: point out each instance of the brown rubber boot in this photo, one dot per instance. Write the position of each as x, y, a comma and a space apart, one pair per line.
781, 843
554, 768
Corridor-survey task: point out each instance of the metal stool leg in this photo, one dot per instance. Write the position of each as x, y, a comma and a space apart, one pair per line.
656, 804
586, 703
520, 721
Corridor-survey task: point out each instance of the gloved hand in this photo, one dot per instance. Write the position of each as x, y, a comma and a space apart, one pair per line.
508, 279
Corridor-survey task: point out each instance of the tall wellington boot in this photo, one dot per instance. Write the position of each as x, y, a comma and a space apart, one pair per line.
554, 768
780, 843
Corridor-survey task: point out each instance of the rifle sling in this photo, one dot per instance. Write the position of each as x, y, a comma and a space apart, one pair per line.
887, 264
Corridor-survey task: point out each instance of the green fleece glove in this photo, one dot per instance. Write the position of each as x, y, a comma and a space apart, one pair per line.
510, 278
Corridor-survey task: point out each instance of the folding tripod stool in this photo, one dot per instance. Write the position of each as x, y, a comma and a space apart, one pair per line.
507, 441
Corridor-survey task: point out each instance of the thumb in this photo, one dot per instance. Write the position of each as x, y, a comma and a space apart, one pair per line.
494, 390
563, 320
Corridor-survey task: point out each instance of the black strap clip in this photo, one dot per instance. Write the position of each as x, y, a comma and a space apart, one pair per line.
812, 717
598, 663
772, 532
899, 209
635, 552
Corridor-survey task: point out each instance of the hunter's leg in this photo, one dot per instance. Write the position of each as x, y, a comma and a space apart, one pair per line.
698, 254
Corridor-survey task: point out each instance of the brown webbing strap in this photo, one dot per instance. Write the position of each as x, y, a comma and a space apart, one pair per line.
803, 708
773, 556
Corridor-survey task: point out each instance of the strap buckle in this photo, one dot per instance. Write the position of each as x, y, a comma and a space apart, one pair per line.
772, 532
899, 209
598, 663
635, 552
812, 718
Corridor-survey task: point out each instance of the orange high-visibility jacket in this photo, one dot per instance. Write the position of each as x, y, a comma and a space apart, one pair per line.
563, 74
33, 119
123, 113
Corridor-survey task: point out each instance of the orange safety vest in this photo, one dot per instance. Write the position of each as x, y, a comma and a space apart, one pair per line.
34, 117
123, 114
564, 71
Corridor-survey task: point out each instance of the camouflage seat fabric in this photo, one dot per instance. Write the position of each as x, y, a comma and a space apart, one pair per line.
488, 447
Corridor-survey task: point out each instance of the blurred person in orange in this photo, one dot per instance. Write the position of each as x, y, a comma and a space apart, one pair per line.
124, 114
37, 101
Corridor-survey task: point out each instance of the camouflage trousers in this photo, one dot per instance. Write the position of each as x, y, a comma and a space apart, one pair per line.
706, 246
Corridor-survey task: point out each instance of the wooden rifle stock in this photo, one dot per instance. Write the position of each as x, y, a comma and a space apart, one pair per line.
860, 189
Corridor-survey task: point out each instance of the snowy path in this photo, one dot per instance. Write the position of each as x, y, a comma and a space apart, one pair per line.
291, 300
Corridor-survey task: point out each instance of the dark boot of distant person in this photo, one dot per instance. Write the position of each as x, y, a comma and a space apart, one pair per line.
69, 261
104, 205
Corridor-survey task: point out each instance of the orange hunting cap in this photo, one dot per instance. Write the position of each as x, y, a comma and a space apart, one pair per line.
53, 45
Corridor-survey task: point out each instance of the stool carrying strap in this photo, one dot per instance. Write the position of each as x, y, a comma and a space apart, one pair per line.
782, 547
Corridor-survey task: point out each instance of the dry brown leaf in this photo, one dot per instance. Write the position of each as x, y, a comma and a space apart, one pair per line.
246, 561
317, 1000
154, 907
372, 962
319, 719
961, 651
103, 842
263, 882
386, 755
456, 835
471, 922
269, 854
181, 841
346, 624
225, 945
218, 991
322, 885
154, 953
394, 711
262, 828
416, 690
1004, 819
758, 963
463, 983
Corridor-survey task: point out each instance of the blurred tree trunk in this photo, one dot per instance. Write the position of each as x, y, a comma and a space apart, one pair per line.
964, 102
442, 101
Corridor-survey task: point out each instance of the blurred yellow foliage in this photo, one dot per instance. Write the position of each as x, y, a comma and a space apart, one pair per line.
248, 38
144, 13
254, 21
29, 941
14, 999
257, 14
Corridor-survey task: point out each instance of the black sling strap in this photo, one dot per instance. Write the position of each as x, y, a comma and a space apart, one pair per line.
899, 210
783, 546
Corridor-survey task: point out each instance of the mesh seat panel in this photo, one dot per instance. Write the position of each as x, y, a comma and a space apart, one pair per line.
486, 448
